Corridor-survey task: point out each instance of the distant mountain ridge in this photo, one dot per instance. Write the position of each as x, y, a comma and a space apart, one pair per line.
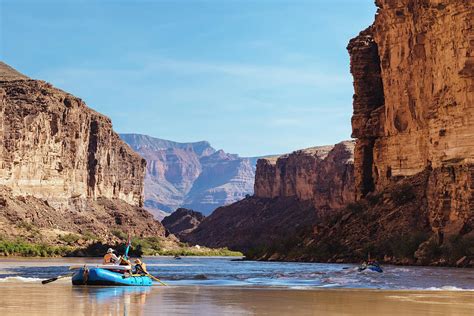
191, 175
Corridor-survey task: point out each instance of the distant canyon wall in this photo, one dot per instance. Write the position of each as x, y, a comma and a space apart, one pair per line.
414, 104
191, 175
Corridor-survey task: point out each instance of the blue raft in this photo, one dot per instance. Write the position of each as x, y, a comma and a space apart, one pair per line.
99, 276
371, 267
375, 268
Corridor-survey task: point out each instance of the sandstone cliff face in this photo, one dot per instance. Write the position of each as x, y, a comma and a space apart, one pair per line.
63, 170
291, 192
414, 104
413, 121
323, 175
191, 175
55, 148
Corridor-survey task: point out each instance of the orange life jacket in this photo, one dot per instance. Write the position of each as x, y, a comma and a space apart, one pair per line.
109, 258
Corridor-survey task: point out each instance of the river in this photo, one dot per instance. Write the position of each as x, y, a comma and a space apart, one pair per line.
216, 286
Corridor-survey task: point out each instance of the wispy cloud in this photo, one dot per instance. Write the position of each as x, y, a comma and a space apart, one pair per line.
269, 74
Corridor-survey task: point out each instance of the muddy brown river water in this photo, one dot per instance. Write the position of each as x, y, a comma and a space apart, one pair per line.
220, 286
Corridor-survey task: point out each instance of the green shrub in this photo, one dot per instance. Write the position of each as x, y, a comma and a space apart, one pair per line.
89, 235
192, 251
32, 230
147, 246
151, 246
119, 234
255, 252
26, 249
401, 246
70, 239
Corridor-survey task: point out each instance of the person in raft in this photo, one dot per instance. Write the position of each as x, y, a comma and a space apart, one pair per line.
110, 257
140, 267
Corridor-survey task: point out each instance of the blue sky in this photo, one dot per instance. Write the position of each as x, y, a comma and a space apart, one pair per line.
251, 77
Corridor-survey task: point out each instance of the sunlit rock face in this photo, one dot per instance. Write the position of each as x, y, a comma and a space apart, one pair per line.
191, 175
63, 170
321, 174
291, 192
53, 147
413, 165
414, 104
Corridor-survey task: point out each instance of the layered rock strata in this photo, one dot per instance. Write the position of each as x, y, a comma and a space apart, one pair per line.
191, 175
323, 175
413, 122
414, 104
55, 148
63, 170
291, 192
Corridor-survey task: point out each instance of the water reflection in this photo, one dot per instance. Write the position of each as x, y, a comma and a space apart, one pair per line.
124, 300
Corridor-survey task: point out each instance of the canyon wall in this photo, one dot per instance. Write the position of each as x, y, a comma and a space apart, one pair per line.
413, 164
414, 104
53, 147
291, 192
190, 175
323, 175
66, 178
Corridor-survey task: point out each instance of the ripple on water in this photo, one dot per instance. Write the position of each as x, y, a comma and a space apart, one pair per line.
225, 272
18, 279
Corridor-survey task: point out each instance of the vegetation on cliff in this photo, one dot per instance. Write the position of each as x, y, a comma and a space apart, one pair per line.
148, 246
22, 248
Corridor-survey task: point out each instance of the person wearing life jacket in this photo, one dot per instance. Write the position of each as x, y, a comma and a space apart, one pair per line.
110, 257
140, 267
124, 261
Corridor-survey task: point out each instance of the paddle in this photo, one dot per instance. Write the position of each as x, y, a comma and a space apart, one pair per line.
129, 244
156, 279
57, 278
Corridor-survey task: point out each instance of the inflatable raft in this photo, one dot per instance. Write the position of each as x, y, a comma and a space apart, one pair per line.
371, 267
109, 275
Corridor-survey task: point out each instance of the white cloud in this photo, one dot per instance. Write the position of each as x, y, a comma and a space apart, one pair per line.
269, 74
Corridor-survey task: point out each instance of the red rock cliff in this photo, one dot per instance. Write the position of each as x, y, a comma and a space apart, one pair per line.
291, 192
55, 148
414, 104
323, 175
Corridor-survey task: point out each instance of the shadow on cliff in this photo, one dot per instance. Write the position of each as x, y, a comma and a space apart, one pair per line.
392, 225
